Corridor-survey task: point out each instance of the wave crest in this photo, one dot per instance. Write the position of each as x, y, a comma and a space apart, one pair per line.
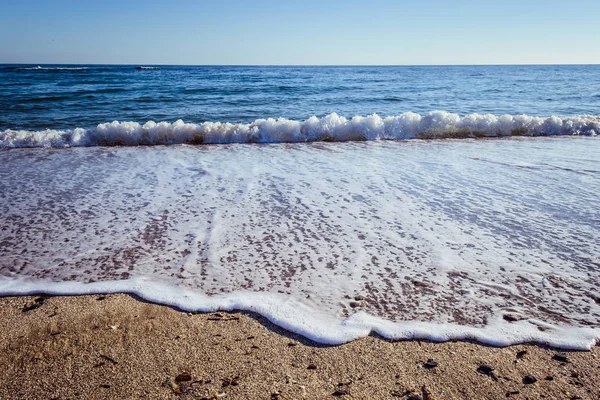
332, 127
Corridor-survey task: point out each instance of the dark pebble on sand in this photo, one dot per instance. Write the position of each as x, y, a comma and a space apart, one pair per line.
37, 303
415, 397
342, 390
529, 379
234, 381
562, 357
292, 344
485, 369
354, 304
311, 366
359, 298
549, 378
521, 354
430, 364
30, 307
185, 377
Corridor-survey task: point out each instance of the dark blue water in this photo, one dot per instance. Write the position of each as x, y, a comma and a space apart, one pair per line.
65, 97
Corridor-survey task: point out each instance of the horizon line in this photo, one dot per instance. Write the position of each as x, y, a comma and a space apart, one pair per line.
306, 65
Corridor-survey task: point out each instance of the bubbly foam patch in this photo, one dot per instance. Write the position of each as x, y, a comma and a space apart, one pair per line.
435, 125
496, 241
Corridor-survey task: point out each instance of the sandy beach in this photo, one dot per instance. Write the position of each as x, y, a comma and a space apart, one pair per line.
115, 346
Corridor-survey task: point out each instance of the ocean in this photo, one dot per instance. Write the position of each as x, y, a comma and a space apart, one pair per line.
434, 202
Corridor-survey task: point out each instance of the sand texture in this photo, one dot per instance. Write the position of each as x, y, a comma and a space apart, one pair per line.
117, 347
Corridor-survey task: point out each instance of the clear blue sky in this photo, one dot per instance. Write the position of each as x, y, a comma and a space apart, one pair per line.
299, 32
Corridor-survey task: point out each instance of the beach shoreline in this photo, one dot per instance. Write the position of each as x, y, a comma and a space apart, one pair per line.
116, 346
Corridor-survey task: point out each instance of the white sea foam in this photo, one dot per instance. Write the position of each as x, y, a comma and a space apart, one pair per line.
311, 322
40, 68
435, 239
437, 124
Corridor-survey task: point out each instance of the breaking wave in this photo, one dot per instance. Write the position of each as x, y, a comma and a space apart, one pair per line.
332, 128
40, 68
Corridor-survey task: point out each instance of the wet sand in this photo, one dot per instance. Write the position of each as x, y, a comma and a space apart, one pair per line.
114, 346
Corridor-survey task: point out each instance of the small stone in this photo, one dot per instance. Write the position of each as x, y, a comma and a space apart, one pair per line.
510, 318
342, 390
521, 354
562, 357
426, 393
275, 396
359, 298
508, 394
354, 304
234, 381
184, 377
485, 369
430, 364
549, 378
415, 397
32, 306
529, 379
311, 366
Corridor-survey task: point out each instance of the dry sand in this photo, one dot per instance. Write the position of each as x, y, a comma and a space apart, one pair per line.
116, 347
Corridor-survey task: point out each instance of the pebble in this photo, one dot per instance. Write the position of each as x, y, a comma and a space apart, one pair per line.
521, 354
184, 377
36, 304
485, 369
415, 397
342, 390
354, 304
562, 357
311, 366
529, 379
234, 381
549, 378
430, 364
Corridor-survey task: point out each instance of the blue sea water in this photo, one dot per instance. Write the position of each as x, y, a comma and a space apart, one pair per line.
76, 96
329, 226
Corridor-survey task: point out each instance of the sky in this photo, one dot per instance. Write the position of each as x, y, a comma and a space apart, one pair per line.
280, 32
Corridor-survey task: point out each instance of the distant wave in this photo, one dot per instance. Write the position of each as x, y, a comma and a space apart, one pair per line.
40, 68
331, 128
147, 68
